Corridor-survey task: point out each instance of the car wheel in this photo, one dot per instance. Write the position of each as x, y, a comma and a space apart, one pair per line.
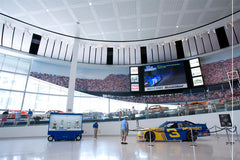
78, 137
50, 138
189, 136
147, 137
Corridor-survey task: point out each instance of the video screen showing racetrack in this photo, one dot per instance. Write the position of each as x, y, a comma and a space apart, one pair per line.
164, 76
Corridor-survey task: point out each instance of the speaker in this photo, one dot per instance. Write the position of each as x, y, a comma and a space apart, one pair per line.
36, 39
143, 55
179, 48
109, 55
222, 37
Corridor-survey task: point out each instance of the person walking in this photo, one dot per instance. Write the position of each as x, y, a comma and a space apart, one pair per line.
95, 128
124, 130
30, 113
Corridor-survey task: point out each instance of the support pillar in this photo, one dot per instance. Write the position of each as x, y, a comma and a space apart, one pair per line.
72, 76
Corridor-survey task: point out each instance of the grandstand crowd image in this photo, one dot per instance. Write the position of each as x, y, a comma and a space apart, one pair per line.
128, 79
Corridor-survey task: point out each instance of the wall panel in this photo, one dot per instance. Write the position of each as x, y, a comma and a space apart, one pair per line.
199, 44
186, 48
161, 53
115, 55
69, 53
214, 40
121, 56
132, 55
173, 50
43, 46
149, 54
86, 54
155, 53
167, 51
63, 50
127, 56
93, 55
236, 26
192, 46
206, 42
1, 30
27, 39
99, 55
231, 37
104, 55
7, 36
49, 49
17, 39
138, 55
56, 49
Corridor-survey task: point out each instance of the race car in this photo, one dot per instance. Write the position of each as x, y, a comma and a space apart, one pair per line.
152, 80
174, 131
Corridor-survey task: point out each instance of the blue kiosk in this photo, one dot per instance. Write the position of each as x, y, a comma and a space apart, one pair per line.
65, 126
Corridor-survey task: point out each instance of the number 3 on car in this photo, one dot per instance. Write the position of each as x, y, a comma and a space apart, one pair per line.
172, 133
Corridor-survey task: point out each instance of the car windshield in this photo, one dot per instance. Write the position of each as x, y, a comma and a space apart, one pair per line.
162, 125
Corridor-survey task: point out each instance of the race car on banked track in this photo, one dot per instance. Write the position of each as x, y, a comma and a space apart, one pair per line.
174, 131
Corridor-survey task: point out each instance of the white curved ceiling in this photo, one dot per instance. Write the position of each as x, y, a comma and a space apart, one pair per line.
119, 20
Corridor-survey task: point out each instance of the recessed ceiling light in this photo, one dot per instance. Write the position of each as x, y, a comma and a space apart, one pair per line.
138, 29
47, 10
90, 3
177, 26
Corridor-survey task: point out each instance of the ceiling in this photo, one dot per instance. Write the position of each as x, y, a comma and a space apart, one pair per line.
118, 20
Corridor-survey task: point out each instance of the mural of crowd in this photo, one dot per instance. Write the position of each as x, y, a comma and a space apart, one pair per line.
213, 73
112, 83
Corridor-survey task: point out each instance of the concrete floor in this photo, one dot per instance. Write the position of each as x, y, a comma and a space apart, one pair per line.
109, 148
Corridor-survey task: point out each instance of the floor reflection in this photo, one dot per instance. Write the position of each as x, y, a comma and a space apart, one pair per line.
109, 148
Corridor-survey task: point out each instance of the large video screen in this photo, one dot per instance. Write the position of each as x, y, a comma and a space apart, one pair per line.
164, 76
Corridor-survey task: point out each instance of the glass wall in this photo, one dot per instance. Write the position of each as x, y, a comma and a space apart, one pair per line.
13, 78
47, 87
44, 96
20, 90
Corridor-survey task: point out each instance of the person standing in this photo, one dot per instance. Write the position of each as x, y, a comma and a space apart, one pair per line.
95, 128
30, 113
209, 106
17, 117
179, 109
4, 117
124, 130
133, 113
186, 106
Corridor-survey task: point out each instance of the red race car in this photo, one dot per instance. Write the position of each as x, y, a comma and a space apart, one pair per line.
12, 114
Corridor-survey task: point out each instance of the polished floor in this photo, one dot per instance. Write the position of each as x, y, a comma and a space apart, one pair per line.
109, 148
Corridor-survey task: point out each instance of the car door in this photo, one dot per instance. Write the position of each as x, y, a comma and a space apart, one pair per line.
172, 131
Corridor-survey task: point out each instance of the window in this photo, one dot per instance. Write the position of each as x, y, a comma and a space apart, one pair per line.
10, 64
181, 125
172, 125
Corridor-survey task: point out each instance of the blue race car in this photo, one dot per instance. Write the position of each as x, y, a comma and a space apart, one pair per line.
152, 80
174, 130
